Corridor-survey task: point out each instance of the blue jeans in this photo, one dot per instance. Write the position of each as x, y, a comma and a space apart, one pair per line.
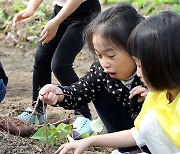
2, 90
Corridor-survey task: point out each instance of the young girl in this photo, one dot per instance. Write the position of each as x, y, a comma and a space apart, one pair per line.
111, 78
155, 46
61, 40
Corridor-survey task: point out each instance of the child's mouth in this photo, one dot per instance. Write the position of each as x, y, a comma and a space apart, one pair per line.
112, 75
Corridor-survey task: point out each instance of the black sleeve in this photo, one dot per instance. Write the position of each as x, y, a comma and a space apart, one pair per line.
83, 91
3, 75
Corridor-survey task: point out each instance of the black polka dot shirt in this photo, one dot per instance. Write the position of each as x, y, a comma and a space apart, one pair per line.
89, 86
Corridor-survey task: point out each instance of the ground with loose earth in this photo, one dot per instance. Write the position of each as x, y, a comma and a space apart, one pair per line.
18, 65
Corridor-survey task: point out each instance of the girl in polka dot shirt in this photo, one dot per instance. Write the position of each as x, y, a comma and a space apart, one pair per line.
111, 78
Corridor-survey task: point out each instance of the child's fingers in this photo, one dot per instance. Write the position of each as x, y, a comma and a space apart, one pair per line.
141, 99
135, 88
59, 150
131, 95
136, 92
139, 90
43, 96
144, 94
49, 98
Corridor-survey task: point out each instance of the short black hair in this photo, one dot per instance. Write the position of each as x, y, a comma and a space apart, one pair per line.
156, 43
114, 25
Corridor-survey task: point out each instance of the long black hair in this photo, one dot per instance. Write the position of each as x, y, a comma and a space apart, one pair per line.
114, 25
156, 43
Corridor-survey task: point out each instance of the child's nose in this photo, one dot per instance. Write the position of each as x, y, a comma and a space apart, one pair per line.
105, 64
138, 72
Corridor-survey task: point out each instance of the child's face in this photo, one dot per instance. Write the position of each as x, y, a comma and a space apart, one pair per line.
115, 60
139, 69
140, 74
150, 88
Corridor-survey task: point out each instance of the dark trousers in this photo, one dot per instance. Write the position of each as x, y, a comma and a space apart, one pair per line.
58, 55
2, 90
114, 116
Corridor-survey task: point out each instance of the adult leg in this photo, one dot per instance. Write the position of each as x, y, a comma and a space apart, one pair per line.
114, 116
68, 48
41, 75
63, 58
43, 58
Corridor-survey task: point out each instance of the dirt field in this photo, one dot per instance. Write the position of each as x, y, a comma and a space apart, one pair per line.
19, 66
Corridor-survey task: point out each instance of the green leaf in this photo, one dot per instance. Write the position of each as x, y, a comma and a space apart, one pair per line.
94, 134
85, 135
44, 133
64, 129
40, 134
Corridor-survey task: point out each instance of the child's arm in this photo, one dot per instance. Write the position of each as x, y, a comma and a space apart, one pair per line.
51, 94
139, 90
51, 27
83, 91
32, 6
113, 140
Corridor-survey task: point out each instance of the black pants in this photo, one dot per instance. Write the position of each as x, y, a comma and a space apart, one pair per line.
114, 116
58, 55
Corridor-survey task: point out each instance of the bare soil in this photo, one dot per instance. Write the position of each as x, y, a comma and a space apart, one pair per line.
18, 65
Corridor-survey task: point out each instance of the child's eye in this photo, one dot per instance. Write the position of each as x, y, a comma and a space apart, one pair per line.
99, 56
138, 64
111, 56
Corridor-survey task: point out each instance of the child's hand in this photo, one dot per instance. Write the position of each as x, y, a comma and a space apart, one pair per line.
22, 15
49, 31
78, 146
139, 91
51, 94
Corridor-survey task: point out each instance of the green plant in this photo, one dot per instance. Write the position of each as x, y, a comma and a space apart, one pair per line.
27, 30
48, 134
152, 6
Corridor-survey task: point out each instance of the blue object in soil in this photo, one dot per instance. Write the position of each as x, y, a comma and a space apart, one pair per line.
25, 116
2, 90
82, 125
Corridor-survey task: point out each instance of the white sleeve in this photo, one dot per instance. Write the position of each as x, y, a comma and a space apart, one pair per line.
137, 137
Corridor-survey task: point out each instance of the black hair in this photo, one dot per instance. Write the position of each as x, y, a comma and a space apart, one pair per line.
156, 43
114, 25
